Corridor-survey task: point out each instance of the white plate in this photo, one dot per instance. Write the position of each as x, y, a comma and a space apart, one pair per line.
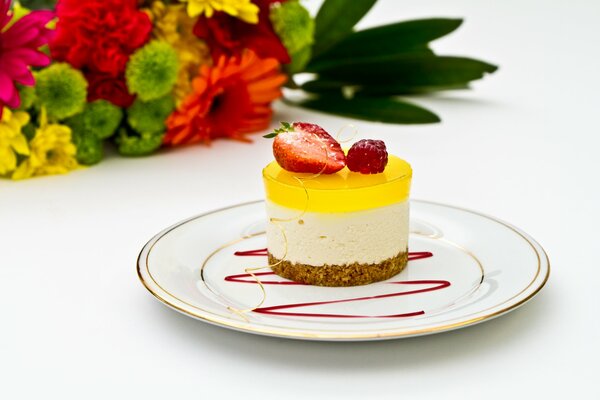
480, 268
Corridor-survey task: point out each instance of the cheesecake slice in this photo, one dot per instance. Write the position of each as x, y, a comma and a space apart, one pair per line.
340, 229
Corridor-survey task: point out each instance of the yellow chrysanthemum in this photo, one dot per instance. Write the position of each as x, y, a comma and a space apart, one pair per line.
242, 9
174, 26
51, 151
12, 141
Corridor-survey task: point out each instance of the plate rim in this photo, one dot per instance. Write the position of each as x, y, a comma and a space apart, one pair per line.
170, 300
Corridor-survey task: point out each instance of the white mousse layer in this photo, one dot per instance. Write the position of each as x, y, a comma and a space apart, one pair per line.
366, 237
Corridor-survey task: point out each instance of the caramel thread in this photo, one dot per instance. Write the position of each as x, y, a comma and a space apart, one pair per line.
278, 221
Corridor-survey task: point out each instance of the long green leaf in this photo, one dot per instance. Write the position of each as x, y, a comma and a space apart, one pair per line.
380, 109
328, 64
424, 71
386, 40
335, 20
391, 88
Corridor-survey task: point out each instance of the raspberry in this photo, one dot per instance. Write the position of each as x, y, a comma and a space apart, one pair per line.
367, 156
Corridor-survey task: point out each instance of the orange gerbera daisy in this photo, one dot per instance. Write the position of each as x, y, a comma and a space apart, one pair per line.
229, 99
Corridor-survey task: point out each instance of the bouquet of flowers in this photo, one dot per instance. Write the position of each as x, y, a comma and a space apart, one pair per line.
146, 74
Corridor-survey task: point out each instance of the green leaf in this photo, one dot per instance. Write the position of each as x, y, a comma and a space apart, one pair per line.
335, 21
413, 72
324, 86
380, 109
329, 64
333, 86
398, 38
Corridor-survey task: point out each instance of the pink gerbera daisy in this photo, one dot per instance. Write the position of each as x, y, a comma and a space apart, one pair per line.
19, 46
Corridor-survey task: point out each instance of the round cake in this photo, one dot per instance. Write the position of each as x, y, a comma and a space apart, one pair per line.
339, 229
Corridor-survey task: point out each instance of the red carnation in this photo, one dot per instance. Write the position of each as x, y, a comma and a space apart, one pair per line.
102, 86
97, 37
227, 35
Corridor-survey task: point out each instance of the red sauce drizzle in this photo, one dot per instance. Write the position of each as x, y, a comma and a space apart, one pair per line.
256, 252
275, 310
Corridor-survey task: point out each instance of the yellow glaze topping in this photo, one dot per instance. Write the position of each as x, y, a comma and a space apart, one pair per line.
343, 191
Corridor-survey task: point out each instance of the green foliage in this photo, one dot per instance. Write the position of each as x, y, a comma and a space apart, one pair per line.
379, 109
335, 20
62, 90
132, 144
296, 28
27, 95
90, 149
358, 74
38, 4
152, 70
100, 118
398, 40
299, 61
29, 131
401, 76
401, 39
149, 117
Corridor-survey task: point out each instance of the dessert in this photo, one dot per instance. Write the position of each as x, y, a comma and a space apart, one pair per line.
331, 226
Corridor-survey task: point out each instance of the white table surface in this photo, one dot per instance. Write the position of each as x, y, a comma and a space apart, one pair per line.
77, 324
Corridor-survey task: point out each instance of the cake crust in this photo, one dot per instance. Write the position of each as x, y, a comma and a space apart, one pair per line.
340, 275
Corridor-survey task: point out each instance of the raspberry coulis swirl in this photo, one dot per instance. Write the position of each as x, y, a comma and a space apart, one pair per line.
283, 309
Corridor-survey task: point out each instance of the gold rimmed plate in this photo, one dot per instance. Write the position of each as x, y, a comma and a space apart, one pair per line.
464, 268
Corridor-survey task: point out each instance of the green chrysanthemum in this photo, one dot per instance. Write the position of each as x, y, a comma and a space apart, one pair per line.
296, 29
62, 90
152, 70
132, 144
149, 116
27, 95
99, 118
90, 149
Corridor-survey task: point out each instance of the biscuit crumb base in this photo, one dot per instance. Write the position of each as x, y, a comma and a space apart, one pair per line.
340, 275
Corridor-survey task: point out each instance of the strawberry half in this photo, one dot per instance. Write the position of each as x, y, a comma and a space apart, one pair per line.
304, 147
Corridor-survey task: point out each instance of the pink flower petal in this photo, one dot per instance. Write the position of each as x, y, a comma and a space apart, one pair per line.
43, 38
14, 40
15, 100
27, 29
28, 56
7, 88
13, 66
37, 19
4, 16
25, 78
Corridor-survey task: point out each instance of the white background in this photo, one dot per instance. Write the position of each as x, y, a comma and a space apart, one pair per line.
77, 324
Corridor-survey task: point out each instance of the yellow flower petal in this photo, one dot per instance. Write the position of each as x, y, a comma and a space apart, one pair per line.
6, 114
12, 141
19, 144
173, 25
22, 117
8, 161
242, 9
51, 151
22, 172
231, 10
195, 9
